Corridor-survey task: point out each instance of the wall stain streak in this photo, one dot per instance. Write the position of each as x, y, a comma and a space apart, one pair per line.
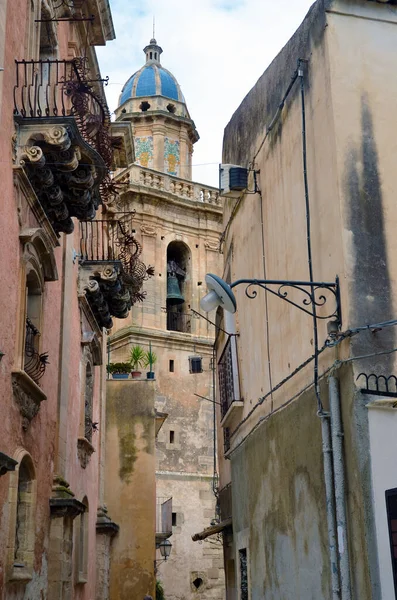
372, 299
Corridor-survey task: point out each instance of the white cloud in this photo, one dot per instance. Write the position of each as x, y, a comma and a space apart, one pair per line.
217, 49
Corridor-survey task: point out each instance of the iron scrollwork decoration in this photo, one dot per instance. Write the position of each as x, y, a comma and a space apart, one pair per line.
35, 363
379, 385
314, 295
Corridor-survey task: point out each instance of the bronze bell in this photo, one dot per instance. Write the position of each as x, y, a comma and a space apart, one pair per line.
174, 295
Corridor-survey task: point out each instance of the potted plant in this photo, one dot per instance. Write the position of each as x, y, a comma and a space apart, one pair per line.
137, 357
119, 370
149, 360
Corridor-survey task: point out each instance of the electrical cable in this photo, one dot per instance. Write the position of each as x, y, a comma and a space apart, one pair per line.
336, 365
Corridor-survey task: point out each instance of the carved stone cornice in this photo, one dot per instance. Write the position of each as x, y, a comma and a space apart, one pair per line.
63, 503
66, 507
28, 396
37, 238
84, 451
63, 169
104, 523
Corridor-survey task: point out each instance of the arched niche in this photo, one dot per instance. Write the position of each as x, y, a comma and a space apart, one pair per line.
22, 509
179, 268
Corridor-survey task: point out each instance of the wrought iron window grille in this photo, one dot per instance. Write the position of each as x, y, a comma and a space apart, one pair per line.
35, 363
226, 378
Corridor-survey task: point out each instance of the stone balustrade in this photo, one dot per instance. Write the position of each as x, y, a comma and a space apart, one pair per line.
182, 188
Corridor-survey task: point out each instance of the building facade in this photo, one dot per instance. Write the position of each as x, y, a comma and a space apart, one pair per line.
178, 222
307, 410
64, 285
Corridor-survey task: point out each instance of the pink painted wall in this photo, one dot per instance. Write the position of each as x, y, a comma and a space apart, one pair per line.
40, 440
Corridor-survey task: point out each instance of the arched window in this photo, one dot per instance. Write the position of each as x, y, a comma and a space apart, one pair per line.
22, 505
81, 542
179, 287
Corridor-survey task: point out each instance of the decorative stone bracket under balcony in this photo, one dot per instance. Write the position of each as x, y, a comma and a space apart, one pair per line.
110, 275
64, 171
63, 138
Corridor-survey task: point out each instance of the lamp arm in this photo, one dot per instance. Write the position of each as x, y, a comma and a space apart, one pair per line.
315, 294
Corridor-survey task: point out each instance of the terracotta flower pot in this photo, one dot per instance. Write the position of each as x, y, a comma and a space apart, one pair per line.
136, 374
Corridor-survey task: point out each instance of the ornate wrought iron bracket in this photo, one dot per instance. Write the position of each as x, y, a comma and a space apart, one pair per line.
314, 295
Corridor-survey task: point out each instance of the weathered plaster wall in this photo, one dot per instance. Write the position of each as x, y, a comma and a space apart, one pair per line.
130, 487
350, 145
278, 506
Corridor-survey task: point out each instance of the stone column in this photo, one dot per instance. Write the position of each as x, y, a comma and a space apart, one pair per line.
64, 508
106, 529
158, 146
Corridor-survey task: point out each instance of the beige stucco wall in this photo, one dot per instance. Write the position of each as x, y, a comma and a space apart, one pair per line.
350, 49
130, 489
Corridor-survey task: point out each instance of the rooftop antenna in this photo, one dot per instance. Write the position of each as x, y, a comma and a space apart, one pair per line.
153, 28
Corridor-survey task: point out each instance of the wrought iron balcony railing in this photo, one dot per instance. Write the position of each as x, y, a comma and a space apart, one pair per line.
226, 378
115, 284
54, 91
163, 517
60, 88
178, 321
35, 363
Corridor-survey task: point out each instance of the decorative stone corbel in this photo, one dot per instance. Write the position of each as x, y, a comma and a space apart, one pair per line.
84, 451
28, 396
104, 523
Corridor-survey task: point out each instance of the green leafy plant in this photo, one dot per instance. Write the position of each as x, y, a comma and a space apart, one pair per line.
159, 591
120, 367
149, 359
137, 357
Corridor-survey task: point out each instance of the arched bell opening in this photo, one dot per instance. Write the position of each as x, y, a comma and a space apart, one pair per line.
179, 287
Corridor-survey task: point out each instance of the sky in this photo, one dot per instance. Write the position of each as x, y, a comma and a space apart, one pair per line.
216, 49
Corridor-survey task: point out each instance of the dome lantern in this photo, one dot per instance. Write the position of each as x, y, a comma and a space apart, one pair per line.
153, 51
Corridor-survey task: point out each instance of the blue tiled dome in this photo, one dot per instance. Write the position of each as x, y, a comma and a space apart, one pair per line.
152, 79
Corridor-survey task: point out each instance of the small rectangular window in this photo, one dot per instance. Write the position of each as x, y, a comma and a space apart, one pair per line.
195, 364
174, 519
172, 437
171, 366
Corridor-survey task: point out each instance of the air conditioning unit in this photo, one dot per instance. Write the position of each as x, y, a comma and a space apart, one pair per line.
232, 180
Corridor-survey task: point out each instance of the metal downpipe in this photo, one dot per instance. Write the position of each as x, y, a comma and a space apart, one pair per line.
330, 500
340, 487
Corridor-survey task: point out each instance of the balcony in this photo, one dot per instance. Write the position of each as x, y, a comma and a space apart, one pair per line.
111, 274
163, 519
63, 140
152, 181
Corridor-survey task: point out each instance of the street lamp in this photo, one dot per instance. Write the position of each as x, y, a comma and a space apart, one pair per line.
165, 550
314, 295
